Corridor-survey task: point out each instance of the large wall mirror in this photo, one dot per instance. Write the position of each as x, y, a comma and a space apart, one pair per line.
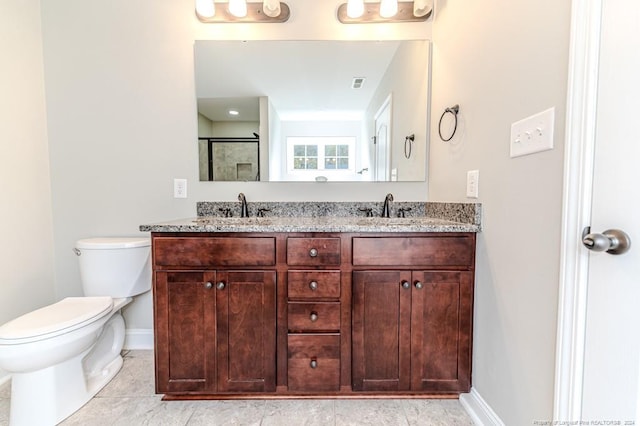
313, 110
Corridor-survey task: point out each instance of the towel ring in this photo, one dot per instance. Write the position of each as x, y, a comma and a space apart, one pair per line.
454, 111
408, 142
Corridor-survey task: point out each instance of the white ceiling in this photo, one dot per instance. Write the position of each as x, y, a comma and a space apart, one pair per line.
297, 76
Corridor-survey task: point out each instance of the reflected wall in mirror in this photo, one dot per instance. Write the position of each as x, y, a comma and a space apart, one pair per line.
313, 110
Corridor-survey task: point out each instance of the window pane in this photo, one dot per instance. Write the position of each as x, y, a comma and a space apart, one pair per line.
343, 150
329, 163
330, 150
343, 163
298, 163
312, 163
298, 150
312, 150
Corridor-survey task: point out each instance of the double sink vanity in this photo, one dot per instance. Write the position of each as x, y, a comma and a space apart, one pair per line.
315, 300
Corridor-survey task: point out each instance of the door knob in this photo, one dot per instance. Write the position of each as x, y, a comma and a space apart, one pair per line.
613, 241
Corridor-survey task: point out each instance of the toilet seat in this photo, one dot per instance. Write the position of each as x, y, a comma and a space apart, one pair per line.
62, 317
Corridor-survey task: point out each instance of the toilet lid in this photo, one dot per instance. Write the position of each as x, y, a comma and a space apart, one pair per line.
61, 317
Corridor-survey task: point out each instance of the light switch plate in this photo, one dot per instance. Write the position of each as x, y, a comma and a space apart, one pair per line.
532, 134
179, 188
472, 183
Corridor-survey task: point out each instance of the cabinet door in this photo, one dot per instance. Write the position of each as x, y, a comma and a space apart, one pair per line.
246, 331
185, 328
381, 331
441, 316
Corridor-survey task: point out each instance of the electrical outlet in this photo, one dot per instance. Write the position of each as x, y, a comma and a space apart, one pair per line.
532, 134
179, 188
472, 183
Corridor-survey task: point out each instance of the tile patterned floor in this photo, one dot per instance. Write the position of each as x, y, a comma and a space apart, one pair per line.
130, 400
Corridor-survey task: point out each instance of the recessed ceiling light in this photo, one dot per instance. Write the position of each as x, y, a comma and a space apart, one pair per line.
233, 112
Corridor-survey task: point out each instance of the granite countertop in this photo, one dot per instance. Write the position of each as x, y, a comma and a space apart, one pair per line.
328, 217
311, 224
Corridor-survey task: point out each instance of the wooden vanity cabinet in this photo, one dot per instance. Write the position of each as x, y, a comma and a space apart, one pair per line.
411, 331
312, 314
214, 328
412, 327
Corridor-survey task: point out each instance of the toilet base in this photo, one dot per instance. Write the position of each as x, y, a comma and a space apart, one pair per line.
50, 395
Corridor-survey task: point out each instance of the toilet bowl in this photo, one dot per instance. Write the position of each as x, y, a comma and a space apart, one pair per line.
61, 355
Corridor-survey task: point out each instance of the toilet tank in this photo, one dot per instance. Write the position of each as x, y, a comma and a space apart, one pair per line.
115, 266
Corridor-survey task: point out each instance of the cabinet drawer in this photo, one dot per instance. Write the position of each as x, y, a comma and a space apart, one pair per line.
313, 284
321, 316
413, 251
210, 251
313, 251
313, 362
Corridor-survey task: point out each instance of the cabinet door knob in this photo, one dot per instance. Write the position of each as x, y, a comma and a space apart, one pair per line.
208, 285
418, 285
220, 285
405, 284
313, 252
313, 285
313, 363
313, 317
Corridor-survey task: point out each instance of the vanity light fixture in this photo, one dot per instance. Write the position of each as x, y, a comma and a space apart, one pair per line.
205, 8
240, 11
388, 8
359, 12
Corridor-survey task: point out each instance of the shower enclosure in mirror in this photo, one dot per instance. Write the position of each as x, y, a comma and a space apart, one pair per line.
313, 110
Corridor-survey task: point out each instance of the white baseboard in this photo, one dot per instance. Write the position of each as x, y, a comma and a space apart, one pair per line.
138, 339
478, 409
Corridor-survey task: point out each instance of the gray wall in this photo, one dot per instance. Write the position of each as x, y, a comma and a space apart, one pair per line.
503, 61
26, 252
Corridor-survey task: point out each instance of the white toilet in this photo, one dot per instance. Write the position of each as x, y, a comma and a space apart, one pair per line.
61, 355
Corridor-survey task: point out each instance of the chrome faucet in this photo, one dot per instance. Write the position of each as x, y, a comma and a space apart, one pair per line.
386, 208
244, 208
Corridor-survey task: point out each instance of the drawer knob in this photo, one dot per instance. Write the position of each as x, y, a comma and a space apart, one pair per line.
313, 252
313, 363
418, 285
405, 284
313, 285
313, 317
208, 285
220, 285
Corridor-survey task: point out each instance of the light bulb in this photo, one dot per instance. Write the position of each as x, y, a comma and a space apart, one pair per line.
238, 8
205, 8
388, 8
421, 8
271, 8
355, 8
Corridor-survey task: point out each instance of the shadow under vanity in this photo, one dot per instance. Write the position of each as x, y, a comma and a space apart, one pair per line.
315, 300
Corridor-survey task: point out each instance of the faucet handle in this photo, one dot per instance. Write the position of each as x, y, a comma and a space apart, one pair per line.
226, 212
368, 211
403, 210
262, 211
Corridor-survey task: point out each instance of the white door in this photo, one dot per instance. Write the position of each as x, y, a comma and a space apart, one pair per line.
381, 143
612, 344
598, 361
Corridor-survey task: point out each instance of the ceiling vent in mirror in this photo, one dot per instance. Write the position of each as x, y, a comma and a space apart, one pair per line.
383, 11
357, 82
240, 11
